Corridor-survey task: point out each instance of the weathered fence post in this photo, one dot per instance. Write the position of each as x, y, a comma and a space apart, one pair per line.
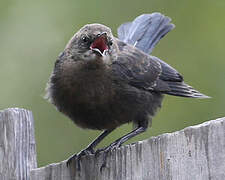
194, 153
17, 144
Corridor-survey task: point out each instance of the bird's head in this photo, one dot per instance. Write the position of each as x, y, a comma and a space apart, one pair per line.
93, 42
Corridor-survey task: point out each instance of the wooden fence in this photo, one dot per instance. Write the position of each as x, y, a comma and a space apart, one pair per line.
194, 153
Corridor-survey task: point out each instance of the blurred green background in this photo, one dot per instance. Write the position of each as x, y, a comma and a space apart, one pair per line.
33, 33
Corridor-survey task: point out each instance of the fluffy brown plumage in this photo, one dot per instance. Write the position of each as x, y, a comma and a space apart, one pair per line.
101, 82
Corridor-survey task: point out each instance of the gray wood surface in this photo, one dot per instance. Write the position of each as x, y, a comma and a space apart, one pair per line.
195, 153
17, 144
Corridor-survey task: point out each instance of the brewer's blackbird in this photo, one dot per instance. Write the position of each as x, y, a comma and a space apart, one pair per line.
101, 82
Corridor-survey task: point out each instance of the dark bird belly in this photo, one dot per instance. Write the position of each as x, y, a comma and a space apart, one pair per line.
117, 109
95, 101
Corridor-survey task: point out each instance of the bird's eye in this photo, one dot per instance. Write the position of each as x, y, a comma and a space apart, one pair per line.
110, 43
85, 39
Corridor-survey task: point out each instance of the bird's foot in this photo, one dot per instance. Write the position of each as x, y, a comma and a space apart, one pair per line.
84, 152
106, 150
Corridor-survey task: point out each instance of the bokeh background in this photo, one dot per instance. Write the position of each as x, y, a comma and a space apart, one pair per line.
33, 33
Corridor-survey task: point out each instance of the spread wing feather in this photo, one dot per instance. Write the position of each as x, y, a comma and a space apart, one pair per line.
145, 71
150, 73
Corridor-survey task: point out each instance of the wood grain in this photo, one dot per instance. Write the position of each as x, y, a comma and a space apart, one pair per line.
195, 153
17, 144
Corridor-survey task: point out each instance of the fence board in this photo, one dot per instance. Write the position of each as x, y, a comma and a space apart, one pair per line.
195, 153
17, 144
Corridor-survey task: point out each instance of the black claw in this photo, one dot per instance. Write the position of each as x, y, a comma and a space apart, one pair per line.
106, 150
103, 166
105, 153
78, 156
70, 160
98, 151
89, 151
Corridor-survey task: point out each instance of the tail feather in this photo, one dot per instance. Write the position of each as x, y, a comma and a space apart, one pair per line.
184, 90
123, 31
145, 31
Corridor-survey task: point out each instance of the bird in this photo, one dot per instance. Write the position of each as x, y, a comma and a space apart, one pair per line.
101, 82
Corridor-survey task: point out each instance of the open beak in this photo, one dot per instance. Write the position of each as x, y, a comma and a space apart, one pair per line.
100, 44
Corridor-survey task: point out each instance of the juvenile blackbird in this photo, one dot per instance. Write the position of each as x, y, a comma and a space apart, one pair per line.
101, 82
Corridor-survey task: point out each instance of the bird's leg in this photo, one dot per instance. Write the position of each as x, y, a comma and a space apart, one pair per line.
89, 149
120, 141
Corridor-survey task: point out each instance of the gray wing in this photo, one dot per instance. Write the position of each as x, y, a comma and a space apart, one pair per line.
150, 73
137, 68
145, 31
